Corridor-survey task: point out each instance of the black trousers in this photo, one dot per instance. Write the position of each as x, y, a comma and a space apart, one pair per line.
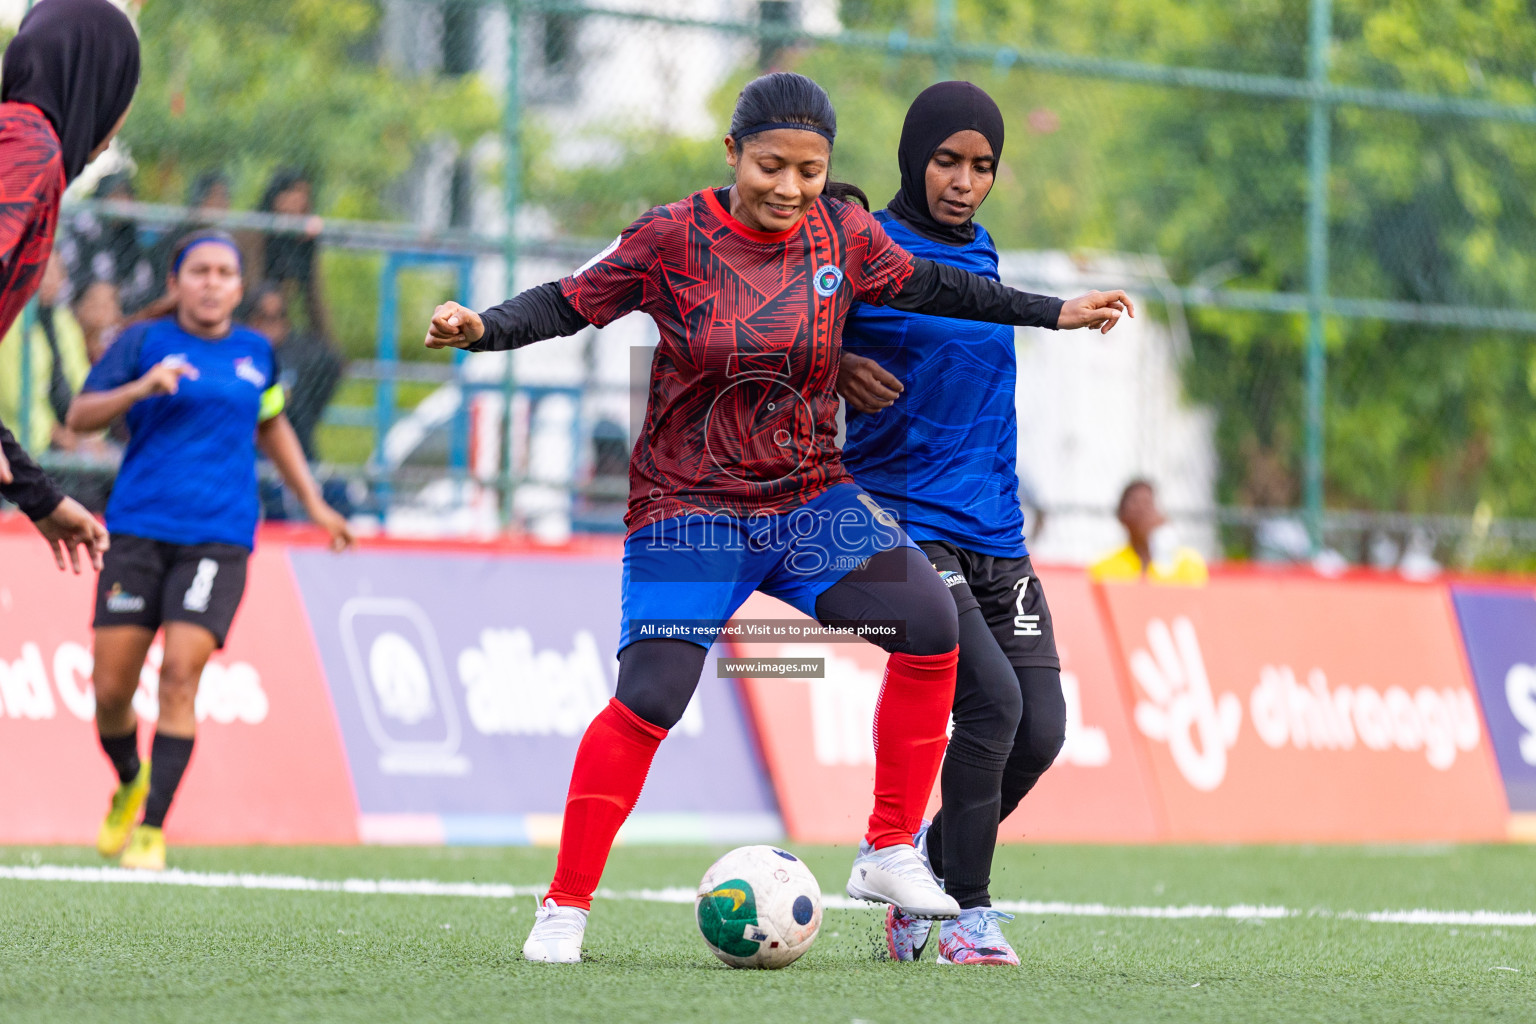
1010, 717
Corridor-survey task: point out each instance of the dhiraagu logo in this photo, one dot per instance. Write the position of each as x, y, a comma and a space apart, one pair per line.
728, 918
827, 280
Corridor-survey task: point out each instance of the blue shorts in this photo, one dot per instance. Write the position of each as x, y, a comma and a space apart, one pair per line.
685, 576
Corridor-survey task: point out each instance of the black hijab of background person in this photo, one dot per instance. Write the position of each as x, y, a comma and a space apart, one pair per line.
78, 62
288, 257
938, 112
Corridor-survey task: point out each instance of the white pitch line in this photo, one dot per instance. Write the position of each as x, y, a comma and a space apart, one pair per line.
678, 894
1237, 912
288, 883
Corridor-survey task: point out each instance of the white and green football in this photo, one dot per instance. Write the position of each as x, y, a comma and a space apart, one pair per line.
758, 906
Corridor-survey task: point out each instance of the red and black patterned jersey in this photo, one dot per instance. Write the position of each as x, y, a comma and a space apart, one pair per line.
31, 184
742, 412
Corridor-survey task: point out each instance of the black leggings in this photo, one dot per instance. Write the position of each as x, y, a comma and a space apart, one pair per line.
657, 677
1010, 723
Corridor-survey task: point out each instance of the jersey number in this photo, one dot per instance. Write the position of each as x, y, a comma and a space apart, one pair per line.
196, 599
883, 516
1024, 625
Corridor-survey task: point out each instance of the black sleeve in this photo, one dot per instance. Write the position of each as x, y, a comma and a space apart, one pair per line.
531, 316
939, 289
30, 489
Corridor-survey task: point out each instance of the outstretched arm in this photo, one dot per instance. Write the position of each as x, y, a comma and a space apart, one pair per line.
531, 316
63, 521
939, 289
275, 437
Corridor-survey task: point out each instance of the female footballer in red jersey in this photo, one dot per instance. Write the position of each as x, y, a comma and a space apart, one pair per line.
736, 482
69, 76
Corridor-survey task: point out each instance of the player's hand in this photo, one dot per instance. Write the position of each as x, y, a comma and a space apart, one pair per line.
164, 378
5, 470
333, 523
70, 527
454, 326
868, 386
1098, 310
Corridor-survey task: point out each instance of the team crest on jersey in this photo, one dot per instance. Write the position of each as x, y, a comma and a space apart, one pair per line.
246, 370
827, 280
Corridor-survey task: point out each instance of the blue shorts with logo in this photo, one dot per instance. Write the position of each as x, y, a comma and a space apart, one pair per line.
685, 576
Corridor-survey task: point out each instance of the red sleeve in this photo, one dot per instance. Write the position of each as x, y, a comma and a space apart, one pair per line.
31, 184
616, 280
882, 268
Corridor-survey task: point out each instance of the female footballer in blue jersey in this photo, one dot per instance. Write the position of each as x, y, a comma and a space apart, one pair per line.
200, 395
941, 455
736, 483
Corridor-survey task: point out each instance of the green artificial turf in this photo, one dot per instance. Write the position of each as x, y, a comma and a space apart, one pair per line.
77, 952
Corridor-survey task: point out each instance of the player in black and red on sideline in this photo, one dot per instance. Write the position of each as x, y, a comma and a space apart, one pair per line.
736, 483
68, 78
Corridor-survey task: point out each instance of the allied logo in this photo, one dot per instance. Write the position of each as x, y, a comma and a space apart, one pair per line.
951, 578
827, 280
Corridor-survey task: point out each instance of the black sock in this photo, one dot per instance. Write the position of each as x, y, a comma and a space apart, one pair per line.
971, 783
936, 843
168, 758
1041, 733
123, 751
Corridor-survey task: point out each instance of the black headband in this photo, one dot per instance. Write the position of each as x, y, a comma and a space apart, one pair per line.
769, 126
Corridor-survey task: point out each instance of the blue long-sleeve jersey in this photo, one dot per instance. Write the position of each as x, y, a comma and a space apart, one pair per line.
943, 456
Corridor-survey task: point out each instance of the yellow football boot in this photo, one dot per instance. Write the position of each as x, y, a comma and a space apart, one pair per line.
146, 849
126, 804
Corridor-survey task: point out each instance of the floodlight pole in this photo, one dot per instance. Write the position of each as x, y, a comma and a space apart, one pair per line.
511, 193
1319, 38
944, 25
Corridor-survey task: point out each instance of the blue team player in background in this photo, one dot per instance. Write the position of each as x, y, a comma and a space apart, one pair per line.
932, 432
200, 394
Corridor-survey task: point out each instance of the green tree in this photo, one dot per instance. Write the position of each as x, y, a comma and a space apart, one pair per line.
244, 86
1422, 209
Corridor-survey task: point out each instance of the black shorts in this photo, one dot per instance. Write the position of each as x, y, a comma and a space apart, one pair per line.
147, 582
1010, 598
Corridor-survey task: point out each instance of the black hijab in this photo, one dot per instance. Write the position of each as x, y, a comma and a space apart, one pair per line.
289, 257
938, 112
78, 62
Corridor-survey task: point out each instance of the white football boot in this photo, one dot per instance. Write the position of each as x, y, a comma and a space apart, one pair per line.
898, 875
556, 935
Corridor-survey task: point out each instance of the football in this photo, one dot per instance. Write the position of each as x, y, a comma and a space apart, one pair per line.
758, 906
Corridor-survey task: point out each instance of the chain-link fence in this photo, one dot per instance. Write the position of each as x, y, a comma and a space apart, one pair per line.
1326, 207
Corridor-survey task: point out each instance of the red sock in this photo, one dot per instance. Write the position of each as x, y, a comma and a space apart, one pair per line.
910, 717
611, 765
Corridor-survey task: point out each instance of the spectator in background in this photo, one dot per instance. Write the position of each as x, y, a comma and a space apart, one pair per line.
208, 197
61, 356
100, 314
58, 360
100, 247
310, 366
1151, 552
291, 261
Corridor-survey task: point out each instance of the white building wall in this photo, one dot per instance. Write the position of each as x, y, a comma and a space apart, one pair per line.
1097, 410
